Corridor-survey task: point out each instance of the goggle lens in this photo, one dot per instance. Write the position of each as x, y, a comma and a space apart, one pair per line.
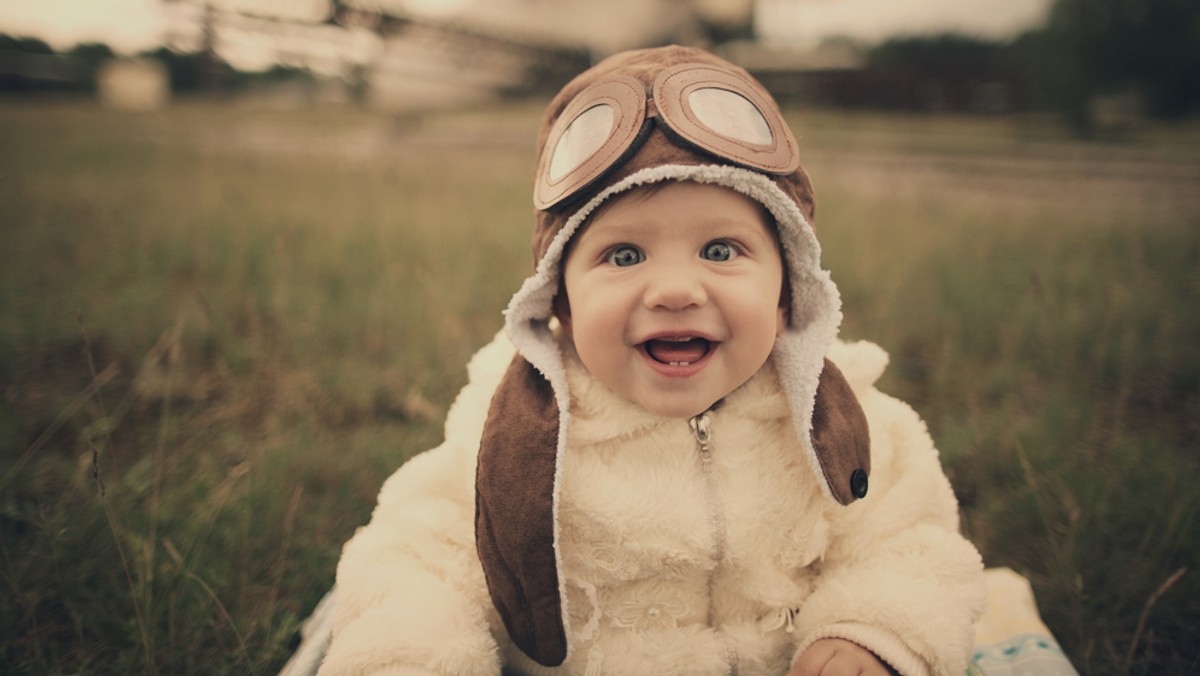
731, 115
584, 137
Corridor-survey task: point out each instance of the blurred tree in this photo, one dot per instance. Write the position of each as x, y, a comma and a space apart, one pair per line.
26, 45
724, 20
189, 72
1096, 47
30, 65
87, 58
939, 72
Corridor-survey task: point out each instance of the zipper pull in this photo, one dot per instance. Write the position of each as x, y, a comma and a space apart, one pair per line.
700, 428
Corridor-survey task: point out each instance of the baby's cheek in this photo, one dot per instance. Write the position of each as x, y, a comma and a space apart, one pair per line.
590, 348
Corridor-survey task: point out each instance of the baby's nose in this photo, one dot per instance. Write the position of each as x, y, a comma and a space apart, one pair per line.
675, 289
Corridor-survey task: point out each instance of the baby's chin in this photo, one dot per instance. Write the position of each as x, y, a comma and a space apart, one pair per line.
669, 407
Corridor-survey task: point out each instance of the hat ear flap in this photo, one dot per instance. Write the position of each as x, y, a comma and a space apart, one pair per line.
840, 436
514, 512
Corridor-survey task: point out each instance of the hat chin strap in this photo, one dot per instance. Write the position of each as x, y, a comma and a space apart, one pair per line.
518, 476
516, 513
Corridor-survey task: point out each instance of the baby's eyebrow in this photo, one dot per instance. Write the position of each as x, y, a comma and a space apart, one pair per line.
616, 230
635, 227
739, 225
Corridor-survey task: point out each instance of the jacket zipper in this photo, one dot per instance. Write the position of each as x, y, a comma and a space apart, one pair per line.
702, 430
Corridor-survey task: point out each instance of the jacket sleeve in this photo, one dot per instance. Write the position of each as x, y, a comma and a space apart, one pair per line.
411, 596
897, 577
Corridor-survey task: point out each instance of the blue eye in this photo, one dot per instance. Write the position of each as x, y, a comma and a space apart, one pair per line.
624, 256
718, 251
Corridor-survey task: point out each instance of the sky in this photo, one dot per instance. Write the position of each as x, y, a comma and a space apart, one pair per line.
874, 20
132, 25
126, 25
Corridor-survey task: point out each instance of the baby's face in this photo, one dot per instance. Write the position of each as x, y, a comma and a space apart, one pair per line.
673, 295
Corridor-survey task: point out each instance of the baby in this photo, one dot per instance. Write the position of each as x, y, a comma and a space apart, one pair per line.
667, 463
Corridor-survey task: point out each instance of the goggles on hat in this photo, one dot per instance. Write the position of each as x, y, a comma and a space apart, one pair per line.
711, 109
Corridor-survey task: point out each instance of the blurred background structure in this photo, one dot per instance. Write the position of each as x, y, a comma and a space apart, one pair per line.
1098, 63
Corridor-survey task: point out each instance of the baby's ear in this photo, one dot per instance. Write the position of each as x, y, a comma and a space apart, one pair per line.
785, 303
562, 309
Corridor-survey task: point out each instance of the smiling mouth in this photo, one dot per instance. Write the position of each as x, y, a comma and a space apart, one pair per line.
677, 351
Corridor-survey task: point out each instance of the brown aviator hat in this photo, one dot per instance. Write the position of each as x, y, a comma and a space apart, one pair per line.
641, 117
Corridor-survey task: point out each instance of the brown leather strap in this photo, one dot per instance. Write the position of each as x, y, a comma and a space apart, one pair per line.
514, 512
840, 436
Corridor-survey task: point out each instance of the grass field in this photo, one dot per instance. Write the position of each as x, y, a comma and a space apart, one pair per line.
221, 329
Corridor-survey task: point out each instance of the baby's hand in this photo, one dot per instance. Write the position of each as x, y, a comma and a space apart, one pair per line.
835, 657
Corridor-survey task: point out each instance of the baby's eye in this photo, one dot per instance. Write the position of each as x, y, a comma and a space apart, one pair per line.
624, 256
718, 251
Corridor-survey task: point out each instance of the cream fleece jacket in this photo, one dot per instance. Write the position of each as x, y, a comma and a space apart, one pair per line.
678, 559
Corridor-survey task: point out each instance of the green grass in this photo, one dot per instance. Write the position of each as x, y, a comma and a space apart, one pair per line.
221, 329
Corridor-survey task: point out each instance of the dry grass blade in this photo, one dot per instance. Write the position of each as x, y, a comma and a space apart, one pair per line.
220, 607
98, 381
1141, 625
